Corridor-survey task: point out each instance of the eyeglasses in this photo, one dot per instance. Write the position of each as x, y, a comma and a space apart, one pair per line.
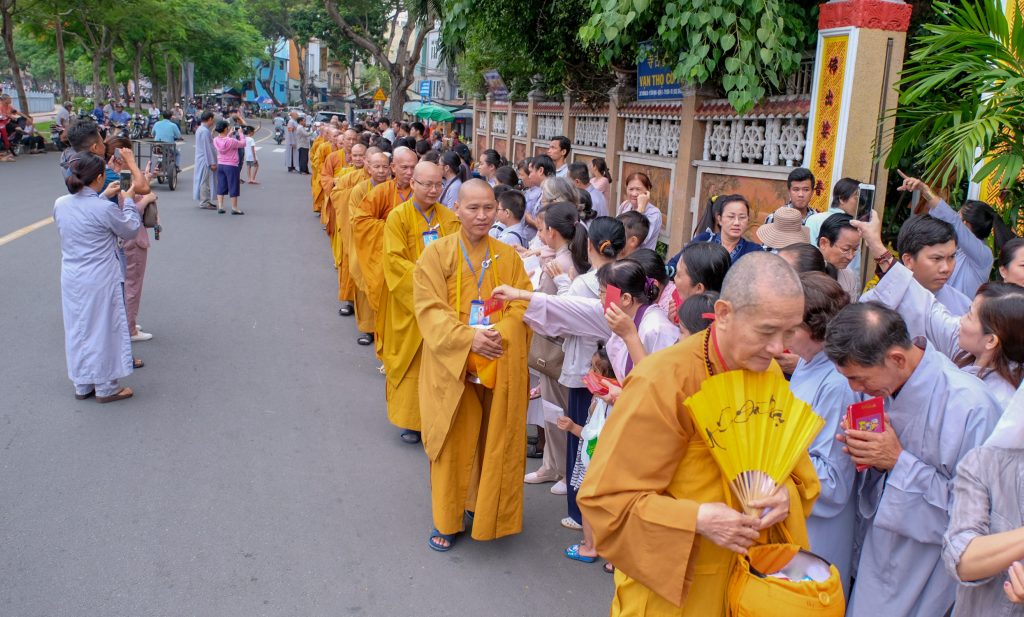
848, 251
430, 185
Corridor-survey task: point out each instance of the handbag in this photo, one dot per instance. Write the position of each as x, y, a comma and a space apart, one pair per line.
546, 355
753, 591
150, 216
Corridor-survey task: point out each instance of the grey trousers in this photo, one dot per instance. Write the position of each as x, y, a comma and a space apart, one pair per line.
206, 180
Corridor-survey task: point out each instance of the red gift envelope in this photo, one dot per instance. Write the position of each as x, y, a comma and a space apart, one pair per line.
867, 416
612, 295
493, 305
678, 299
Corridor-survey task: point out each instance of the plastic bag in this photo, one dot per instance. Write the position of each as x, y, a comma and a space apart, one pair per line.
588, 436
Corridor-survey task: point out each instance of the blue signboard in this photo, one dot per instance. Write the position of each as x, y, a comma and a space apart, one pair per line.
425, 88
655, 81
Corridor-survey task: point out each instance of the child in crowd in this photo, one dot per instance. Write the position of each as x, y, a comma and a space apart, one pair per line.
252, 164
697, 313
637, 228
511, 208
602, 377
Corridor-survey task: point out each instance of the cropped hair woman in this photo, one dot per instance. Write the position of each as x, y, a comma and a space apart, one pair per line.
89, 224
732, 215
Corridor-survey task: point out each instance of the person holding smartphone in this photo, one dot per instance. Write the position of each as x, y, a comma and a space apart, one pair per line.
228, 170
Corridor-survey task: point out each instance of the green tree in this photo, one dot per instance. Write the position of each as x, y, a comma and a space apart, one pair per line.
962, 98
355, 19
476, 38
745, 47
7, 18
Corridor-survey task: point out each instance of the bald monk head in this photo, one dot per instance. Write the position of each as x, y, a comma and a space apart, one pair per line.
380, 167
370, 152
762, 302
348, 138
358, 155
426, 183
476, 209
403, 162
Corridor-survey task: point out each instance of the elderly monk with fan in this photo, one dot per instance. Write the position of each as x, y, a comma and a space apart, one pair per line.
654, 494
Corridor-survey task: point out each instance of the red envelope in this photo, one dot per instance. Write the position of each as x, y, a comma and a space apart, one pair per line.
493, 305
867, 416
612, 295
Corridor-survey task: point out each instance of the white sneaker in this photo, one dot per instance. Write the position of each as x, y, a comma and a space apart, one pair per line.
141, 336
534, 478
558, 488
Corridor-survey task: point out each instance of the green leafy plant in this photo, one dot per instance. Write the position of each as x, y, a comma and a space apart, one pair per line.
746, 47
962, 98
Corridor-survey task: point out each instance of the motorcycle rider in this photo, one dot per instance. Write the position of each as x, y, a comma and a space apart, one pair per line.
120, 116
278, 127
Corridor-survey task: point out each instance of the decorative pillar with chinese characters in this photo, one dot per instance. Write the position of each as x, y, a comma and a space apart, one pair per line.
859, 58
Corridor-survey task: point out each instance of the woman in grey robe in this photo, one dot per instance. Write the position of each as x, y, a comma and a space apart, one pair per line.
92, 279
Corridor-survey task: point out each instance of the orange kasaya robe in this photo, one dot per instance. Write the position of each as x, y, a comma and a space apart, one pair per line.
472, 435
365, 317
316, 157
403, 244
648, 476
368, 232
342, 238
333, 162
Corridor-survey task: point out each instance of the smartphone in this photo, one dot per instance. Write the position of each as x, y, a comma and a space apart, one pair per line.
126, 180
866, 203
612, 295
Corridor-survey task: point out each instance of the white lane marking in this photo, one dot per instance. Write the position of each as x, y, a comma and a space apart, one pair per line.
278, 150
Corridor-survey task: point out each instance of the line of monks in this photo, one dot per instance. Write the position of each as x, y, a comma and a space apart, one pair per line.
409, 265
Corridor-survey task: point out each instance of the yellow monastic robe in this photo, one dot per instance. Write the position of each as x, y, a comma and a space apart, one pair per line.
365, 317
329, 213
473, 436
332, 163
316, 152
342, 238
403, 244
368, 233
650, 472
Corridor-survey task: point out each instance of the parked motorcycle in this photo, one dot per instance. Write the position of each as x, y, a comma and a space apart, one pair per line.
56, 133
138, 128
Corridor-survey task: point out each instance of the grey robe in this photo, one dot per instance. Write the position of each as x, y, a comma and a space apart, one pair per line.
205, 156
940, 415
96, 338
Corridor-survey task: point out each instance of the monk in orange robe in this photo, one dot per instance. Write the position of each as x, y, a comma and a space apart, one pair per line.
653, 492
409, 229
474, 383
368, 232
340, 164
331, 164
380, 171
320, 147
342, 223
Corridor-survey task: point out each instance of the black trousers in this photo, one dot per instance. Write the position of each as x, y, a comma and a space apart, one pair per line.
303, 160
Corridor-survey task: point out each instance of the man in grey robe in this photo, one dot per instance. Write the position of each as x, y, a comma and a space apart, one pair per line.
206, 163
935, 415
290, 143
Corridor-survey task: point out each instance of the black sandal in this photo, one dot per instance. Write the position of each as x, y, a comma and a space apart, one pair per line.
410, 437
233, 211
365, 339
137, 363
82, 397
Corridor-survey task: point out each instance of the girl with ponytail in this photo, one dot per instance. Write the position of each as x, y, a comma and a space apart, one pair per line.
89, 225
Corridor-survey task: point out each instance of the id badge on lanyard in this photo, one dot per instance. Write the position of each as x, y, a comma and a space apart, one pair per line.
429, 236
476, 314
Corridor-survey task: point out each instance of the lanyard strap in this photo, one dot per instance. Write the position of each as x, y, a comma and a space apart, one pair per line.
428, 221
487, 264
636, 321
403, 197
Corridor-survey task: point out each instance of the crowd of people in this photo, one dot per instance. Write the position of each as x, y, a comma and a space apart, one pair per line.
498, 296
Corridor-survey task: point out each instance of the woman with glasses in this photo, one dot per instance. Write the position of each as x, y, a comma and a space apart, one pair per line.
732, 214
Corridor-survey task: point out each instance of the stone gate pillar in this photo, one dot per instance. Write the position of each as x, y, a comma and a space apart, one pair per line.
859, 58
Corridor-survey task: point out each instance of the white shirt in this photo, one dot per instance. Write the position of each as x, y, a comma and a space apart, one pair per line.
250, 149
563, 171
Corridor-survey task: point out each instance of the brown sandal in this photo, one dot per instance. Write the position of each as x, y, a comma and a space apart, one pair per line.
137, 363
122, 394
82, 397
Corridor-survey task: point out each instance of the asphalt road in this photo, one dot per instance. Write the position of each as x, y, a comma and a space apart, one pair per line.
254, 473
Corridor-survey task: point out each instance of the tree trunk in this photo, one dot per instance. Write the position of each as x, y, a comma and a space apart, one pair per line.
97, 65
137, 76
302, 52
62, 68
111, 77
155, 92
7, 17
399, 92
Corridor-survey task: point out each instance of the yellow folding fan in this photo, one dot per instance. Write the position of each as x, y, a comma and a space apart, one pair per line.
756, 429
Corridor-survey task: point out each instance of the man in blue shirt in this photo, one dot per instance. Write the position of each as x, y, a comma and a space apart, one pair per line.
168, 131
97, 113
120, 116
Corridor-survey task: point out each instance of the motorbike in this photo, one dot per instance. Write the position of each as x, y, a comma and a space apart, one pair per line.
278, 135
190, 123
56, 133
138, 128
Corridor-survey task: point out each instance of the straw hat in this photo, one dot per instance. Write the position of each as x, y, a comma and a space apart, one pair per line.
786, 228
